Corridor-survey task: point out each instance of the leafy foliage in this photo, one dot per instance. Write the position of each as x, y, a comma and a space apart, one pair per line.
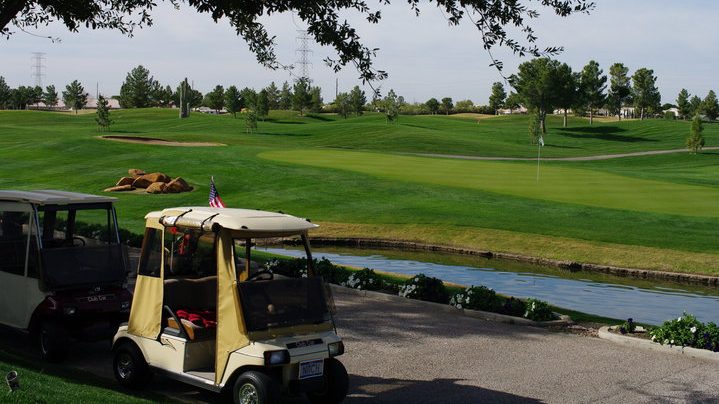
301, 96
103, 114
496, 98
476, 298
683, 104
592, 84
74, 96
645, 92
538, 310
364, 279
215, 99
695, 141
137, 89
233, 102
710, 106
686, 330
426, 288
619, 88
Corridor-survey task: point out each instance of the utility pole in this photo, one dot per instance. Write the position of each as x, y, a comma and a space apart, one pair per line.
304, 52
38, 64
337, 87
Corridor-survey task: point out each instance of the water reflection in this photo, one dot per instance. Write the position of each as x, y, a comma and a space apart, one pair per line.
605, 295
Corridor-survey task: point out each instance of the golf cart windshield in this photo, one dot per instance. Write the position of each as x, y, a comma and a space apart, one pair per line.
80, 245
283, 303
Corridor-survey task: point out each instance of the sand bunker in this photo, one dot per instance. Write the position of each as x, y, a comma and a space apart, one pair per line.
156, 141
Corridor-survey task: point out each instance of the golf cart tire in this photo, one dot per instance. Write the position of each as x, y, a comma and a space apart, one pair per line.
266, 388
52, 341
129, 366
336, 384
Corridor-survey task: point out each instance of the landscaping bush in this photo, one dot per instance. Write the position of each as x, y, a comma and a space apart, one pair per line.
513, 307
628, 326
365, 279
538, 310
686, 330
422, 287
477, 298
330, 272
294, 268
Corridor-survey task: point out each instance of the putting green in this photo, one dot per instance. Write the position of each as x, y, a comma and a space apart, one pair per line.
556, 183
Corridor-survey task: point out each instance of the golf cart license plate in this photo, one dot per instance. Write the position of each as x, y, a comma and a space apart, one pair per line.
311, 368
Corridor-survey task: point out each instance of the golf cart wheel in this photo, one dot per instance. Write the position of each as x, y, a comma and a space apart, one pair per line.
336, 384
52, 341
130, 368
254, 387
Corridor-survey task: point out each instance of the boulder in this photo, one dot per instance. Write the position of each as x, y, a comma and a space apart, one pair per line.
178, 185
141, 182
157, 177
125, 181
120, 188
136, 172
156, 188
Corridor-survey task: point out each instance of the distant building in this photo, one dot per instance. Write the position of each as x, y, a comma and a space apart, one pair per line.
507, 111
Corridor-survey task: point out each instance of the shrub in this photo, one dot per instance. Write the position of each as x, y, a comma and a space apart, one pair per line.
365, 279
476, 298
628, 326
538, 310
294, 268
330, 272
422, 287
686, 330
513, 307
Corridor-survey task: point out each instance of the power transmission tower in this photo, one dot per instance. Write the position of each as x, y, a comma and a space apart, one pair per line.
304, 53
38, 59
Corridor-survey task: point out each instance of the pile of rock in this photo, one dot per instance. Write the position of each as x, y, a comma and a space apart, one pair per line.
153, 183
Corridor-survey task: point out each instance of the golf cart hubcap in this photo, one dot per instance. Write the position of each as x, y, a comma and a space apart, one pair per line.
124, 366
248, 394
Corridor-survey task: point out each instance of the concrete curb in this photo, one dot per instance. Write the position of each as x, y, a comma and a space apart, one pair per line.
483, 315
568, 265
705, 354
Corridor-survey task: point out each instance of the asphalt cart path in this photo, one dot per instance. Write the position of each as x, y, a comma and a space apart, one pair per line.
405, 351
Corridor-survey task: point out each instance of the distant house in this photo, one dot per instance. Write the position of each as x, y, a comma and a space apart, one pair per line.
674, 111
206, 110
507, 111
111, 103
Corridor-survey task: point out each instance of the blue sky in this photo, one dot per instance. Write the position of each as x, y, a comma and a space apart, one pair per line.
423, 55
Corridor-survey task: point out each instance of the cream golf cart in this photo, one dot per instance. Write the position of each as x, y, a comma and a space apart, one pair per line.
203, 314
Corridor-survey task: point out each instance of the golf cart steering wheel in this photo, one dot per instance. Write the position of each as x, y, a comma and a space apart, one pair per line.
264, 275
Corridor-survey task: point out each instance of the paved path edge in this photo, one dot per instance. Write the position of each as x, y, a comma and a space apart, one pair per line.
705, 354
483, 315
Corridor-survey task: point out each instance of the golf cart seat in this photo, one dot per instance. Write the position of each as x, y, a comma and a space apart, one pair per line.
192, 303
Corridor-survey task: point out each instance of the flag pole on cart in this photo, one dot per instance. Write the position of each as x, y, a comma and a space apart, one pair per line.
215, 200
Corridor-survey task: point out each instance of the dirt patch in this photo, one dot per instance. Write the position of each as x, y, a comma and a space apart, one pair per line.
157, 141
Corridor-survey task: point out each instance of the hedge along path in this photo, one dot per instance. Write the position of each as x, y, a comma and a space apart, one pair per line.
556, 183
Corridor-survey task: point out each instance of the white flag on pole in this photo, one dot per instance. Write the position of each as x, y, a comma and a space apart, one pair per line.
541, 141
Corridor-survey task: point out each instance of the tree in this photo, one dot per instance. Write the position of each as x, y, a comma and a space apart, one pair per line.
645, 92
710, 106
301, 96
233, 101
447, 105
161, 96
5, 93
591, 86
496, 98
186, 98
432, 105
513, 101
535, 83
248, 98
619, 89
262, 104
566, 89
343, 104
49, 97
357, 100
695, 141
464, 106
215, 99
391, 106
250, 120
103, 114
36, 94
273, 96
285, 97
74, 96
683, 104
325, 22
21, 97
315, 100
136, 91
695, 104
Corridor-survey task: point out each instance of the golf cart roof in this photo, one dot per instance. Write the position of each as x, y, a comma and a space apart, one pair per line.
244, 222
52, 197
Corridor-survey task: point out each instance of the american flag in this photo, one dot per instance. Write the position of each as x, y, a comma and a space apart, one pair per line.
215, 200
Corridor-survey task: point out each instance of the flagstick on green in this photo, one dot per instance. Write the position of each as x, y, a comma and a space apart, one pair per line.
540, 143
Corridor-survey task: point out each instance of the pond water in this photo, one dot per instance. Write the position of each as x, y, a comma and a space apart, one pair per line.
644, 300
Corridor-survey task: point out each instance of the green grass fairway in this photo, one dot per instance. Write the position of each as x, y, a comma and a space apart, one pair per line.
354, 178
555, 183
